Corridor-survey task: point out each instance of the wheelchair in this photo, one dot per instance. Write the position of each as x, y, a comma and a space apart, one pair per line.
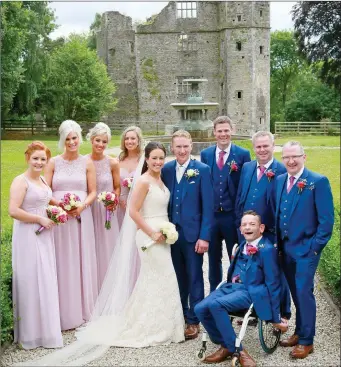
269, 336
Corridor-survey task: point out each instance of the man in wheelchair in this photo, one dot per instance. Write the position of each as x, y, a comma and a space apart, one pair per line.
253, 277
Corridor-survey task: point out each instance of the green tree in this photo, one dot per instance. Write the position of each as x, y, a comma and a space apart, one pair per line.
285, 65
76, 84
94, 28
318, 31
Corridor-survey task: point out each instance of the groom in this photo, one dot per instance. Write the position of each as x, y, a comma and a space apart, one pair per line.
191, 210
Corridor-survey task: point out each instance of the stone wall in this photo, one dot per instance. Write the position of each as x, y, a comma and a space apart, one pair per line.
222, 44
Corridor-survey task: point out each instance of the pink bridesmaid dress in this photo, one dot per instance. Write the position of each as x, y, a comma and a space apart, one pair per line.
35, 286
75, 247
105, 239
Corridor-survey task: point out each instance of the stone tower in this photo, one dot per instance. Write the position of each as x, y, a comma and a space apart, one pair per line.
226, 42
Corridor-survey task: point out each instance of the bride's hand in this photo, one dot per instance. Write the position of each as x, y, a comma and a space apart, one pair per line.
158, 237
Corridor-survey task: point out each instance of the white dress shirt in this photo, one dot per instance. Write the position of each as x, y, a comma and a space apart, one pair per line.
253, 244
227, 151
267, 165
297, 176
180, 169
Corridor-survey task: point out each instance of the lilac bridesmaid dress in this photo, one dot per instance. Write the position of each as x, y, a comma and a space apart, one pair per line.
105, 239
124, 194
35, 286
75, 247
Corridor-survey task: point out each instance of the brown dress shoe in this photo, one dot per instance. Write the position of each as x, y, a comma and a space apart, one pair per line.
245, 359
301, 351
289, 342
192, 331
219, 356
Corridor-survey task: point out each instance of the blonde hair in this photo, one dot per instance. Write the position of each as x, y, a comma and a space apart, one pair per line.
181, 134
124, 153
67, 127
99, 129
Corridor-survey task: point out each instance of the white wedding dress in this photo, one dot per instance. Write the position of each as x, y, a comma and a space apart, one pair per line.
152, 314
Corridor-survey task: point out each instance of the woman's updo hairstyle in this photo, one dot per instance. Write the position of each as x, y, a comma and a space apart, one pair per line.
99, 129
67, 127
34, 146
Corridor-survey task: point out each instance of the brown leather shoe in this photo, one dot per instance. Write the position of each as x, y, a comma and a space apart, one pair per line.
289, 342
282, 326
245, 359
301, 351
219, 356
192, 331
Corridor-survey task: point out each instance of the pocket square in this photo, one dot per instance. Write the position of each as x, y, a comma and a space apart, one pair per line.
192, 182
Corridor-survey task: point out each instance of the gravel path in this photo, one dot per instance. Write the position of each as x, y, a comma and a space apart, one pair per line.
327, 345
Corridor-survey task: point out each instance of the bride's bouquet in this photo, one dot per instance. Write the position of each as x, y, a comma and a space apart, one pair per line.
56, 214
169, 231
107, 198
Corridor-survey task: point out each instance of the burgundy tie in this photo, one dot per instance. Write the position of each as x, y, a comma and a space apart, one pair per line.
261, 172
291, 183
220, 162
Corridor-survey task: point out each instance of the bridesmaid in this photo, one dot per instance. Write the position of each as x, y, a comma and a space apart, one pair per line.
35, 286
131, 146
75, 242
107, 179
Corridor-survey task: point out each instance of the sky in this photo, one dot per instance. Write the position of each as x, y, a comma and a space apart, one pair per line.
77, 16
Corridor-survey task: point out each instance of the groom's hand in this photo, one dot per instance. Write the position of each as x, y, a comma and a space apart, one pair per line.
201, 246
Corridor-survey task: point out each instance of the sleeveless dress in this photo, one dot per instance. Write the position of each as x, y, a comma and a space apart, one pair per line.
105, 239
124, 194
75, 247
35, 287
153, 314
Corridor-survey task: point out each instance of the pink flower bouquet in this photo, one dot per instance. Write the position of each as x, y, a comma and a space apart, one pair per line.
107, 198
71, 201
128, 182
56, 214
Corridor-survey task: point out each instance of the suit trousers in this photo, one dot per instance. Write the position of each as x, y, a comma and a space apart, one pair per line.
300, 274
213, 312
223, 228
188, 268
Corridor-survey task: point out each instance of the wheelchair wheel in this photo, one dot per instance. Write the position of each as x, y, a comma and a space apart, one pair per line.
235, 361
268, 336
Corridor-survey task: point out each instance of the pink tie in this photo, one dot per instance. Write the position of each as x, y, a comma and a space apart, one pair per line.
220, 162
291, 183
261, 172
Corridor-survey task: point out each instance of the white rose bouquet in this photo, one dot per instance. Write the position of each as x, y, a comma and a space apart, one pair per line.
169, 231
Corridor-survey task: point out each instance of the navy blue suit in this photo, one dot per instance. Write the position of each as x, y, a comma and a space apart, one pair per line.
258, 196
191, 210
260, 285
304, 225
225, 186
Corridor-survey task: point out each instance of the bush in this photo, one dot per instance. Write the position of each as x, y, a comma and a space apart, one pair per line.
329, 266
6, 288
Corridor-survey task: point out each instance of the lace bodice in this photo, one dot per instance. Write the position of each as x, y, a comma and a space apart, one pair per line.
156, 202
104, 181
70, 175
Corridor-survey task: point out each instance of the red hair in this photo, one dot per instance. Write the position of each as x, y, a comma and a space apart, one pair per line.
34, 146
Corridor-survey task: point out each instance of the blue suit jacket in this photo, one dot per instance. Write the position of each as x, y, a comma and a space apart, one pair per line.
197, 200
268, 205
263, 279
311, 217
237, 154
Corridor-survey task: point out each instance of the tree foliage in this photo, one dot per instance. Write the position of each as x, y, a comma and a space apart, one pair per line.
76, 84
318, 31
94, 28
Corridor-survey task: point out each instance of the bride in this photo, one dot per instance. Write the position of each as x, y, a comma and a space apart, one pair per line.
149, 313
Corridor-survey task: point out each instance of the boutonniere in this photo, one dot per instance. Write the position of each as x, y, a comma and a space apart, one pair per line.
270, 174
302, 184
251, 250
191, 173
233, 166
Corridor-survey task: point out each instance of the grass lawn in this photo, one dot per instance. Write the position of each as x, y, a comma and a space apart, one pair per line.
311, 140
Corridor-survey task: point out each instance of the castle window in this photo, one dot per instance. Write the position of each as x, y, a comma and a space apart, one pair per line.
239, 46
261, 120
112, 51
131, 46
261, 50
183, 89
239, 18
186, 9
239, 94
261, 13
187, 42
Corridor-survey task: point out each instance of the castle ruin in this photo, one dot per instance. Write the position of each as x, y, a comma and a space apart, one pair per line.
227, 43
